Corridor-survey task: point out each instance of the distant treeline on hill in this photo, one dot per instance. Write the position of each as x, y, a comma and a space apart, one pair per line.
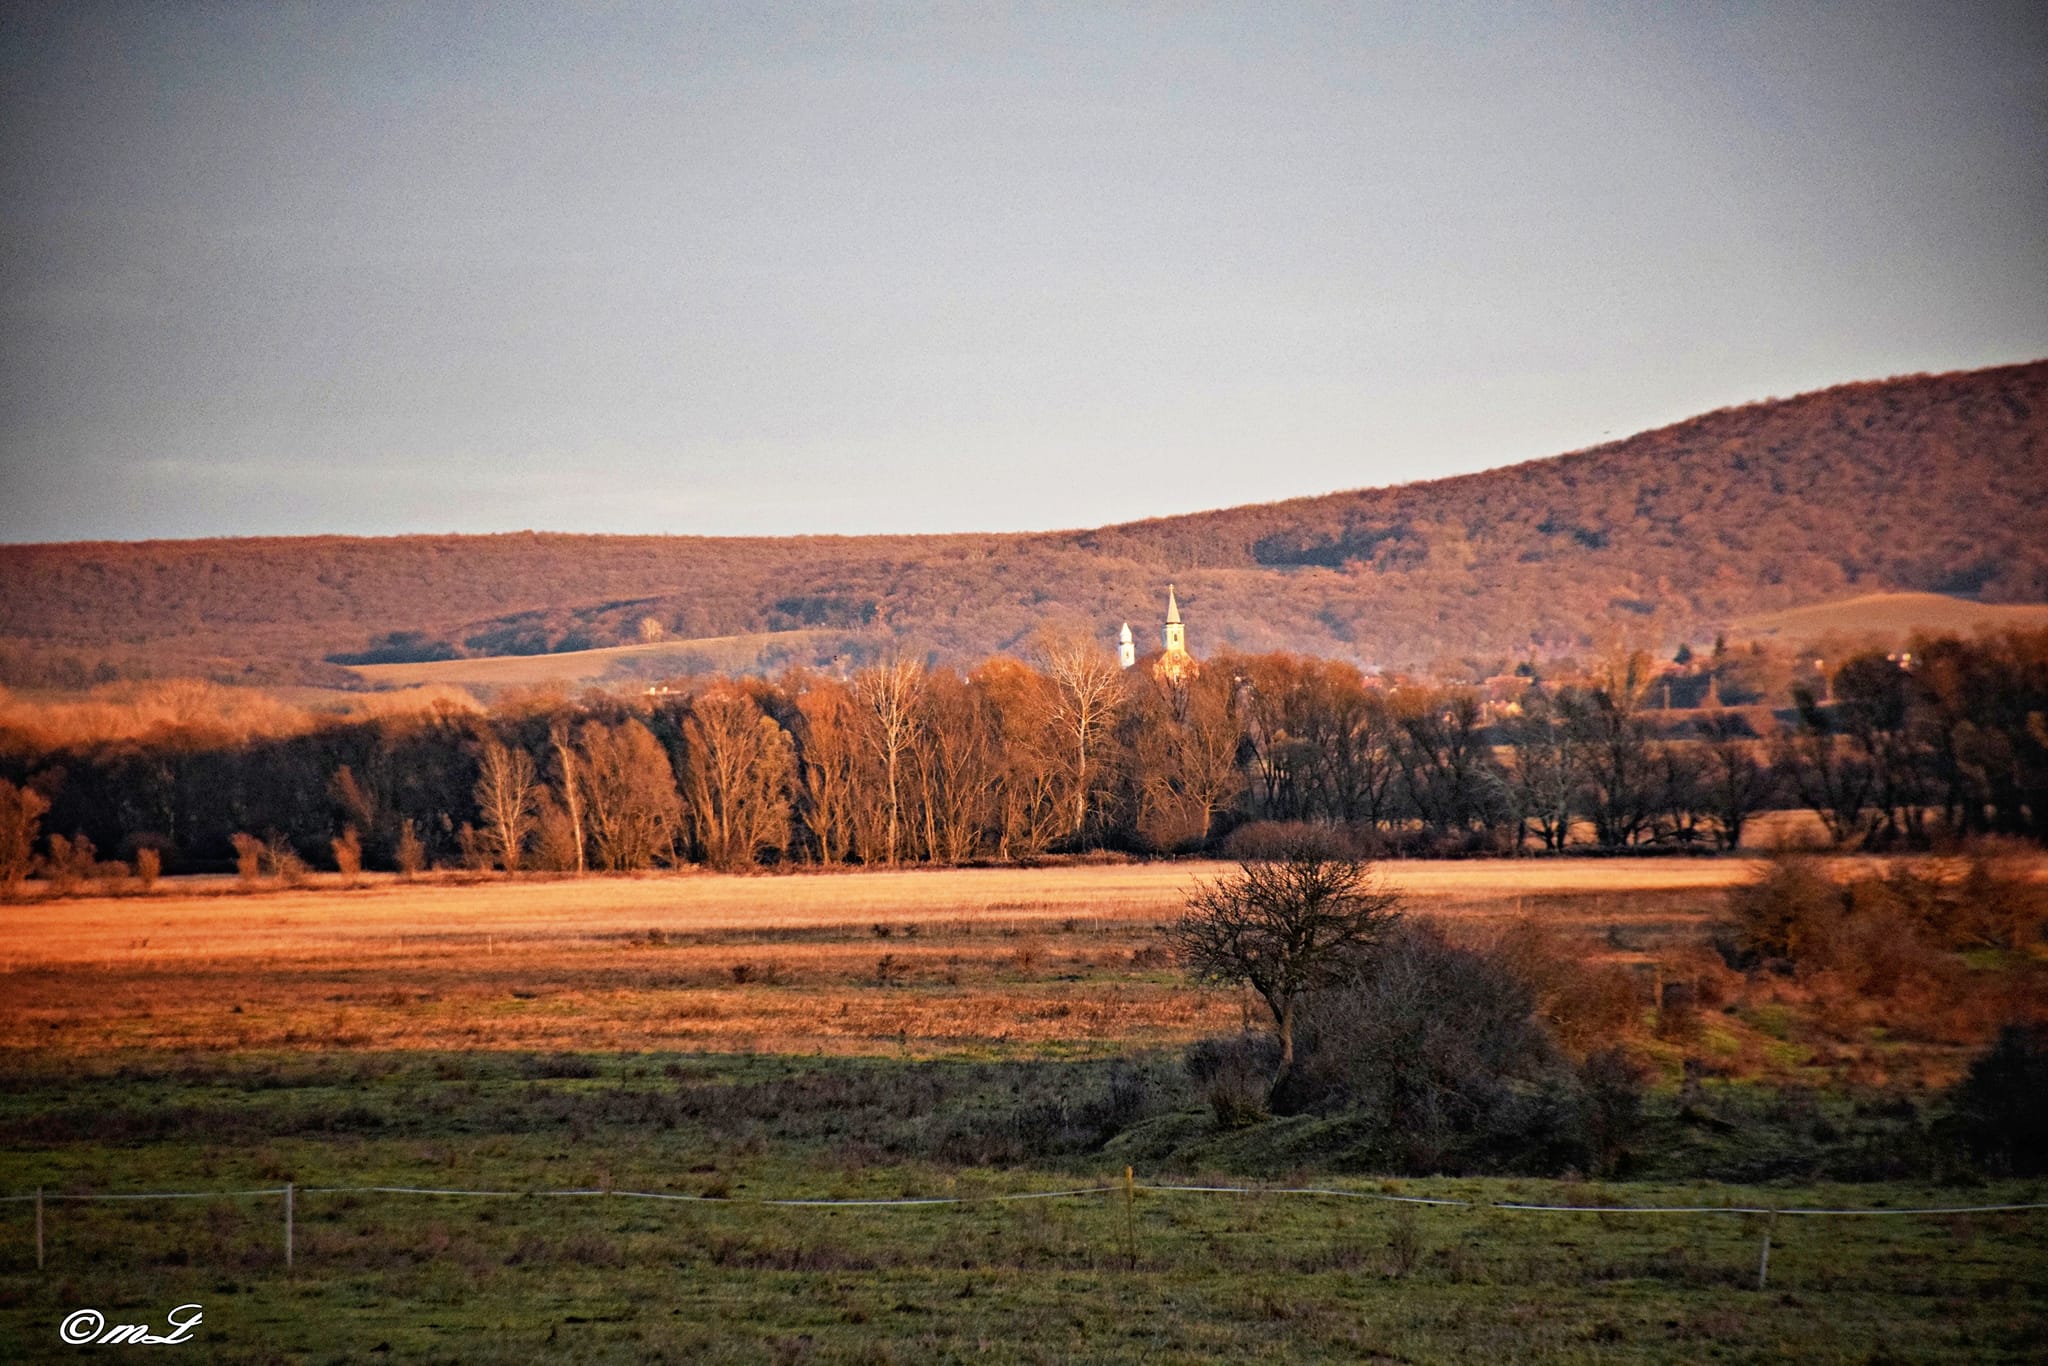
1007, 761
1932, 483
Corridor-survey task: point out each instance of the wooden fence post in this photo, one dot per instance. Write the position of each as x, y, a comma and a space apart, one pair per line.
1763, 1262
1131, 1217
39, 1228
290, 1188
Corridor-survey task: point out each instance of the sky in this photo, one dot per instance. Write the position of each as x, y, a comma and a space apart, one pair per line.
293, 268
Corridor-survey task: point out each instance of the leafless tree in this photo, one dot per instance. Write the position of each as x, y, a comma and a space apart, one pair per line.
829, 759
630, 803
1736, 780
742, 765
1286, 927
1548, 768
21, 818
569, 781
892, 695
1087, 691
508, 800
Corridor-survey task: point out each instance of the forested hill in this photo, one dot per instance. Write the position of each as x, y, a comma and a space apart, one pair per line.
1923, 483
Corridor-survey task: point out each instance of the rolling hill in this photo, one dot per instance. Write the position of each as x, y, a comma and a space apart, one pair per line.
1925, 484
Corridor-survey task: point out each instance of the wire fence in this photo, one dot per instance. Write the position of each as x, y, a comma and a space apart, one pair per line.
1129, 1188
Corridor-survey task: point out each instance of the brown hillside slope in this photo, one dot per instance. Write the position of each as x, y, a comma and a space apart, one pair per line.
1927, 483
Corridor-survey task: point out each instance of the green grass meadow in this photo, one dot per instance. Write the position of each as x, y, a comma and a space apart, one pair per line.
1165, 1277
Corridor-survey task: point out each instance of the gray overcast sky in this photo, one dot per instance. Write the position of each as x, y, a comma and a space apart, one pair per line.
785, 268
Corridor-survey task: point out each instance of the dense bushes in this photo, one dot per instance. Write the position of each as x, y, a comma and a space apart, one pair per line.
1437, 1060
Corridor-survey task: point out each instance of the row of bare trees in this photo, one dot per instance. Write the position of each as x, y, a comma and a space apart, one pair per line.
905, 763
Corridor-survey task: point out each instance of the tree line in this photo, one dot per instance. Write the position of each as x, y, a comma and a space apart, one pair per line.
1012, 759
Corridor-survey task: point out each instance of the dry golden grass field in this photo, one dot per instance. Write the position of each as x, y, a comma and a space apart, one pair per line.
582, 667
1890, 616
904, 963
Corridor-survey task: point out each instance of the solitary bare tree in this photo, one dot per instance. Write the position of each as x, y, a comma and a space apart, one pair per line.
1286, 927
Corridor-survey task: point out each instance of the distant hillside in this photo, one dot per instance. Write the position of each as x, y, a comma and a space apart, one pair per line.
1933, 484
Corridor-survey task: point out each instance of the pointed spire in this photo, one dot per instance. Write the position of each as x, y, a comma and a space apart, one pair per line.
1172, 608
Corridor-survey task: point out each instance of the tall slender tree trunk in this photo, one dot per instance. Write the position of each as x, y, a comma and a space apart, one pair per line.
572, 795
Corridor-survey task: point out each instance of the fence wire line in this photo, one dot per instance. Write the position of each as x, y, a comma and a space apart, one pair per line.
1522, 1207
1512, 1207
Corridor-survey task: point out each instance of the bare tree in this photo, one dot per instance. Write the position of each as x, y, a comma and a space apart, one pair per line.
893, 695
1548, 771
571, 785
21, 817
1029, 800
1087, 690
1183, 738
1623, 785
630, 802
828, 762
955, 763
507, 798
741, 771
1286, 927
1738, 783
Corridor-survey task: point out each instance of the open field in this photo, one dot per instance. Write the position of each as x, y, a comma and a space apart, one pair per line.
574, 668
598, 1278
1890, 615
899, 1034
927, 961
1055, 961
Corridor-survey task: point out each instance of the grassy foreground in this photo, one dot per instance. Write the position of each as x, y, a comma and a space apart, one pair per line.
1262, 1277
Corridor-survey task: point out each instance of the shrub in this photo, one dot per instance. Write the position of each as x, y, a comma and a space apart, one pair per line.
1678, 1013
2000, 904
1436, 1059
1264, 841
248, 856
2001, 1106
412, 852
283, 862
1790, 913
348, 856
1233, 1075
149, 866
1587, 1006
70, 863
1611, 1084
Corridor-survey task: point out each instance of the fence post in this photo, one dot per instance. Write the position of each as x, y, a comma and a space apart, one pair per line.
1763, 1262
1131, 1217
289, 1191
39, 1228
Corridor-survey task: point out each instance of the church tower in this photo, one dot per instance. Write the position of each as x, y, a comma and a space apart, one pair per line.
1176, 666
1126, 648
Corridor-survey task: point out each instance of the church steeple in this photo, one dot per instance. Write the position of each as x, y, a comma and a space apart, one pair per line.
1126, 648
1176, 634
